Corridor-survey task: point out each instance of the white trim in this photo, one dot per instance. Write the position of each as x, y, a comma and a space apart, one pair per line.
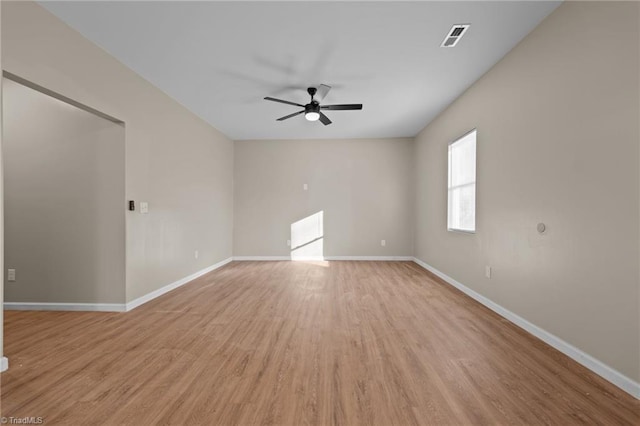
332, 258
4, 364
603, 370
159, 292
110, 307
372, 258
260, 258
92, 307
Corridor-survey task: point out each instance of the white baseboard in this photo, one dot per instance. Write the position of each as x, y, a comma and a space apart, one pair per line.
159, 292
110, 307
603, 370
91, 307
260, 258
323, 258
4, 364
371, 258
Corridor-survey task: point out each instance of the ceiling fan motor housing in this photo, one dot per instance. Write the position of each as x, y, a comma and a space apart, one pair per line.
312, 107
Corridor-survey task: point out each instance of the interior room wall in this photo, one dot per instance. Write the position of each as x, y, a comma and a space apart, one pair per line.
63, 201
359, 193
558, 136
175, 161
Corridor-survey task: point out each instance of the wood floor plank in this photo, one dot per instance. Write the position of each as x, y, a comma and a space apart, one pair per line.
299, 343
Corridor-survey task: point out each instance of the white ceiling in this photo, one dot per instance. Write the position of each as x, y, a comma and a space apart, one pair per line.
220, 59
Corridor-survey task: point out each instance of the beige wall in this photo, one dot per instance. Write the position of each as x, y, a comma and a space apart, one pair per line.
63, 201
175, 161
362, 186
558, 142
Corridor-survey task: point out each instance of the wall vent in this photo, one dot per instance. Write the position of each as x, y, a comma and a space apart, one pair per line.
454, 35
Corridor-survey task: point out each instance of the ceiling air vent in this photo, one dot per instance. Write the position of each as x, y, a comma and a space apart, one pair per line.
454, 35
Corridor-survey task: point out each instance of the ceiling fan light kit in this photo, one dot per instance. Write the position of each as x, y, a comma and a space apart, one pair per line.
312, 110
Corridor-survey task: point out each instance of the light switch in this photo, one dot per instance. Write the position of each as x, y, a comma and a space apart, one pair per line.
144, 207
305, 187
11, 275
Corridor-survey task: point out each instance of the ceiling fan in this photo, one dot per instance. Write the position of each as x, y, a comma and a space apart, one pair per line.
312, 110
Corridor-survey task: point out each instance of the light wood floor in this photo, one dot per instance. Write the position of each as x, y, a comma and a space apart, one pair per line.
348, 343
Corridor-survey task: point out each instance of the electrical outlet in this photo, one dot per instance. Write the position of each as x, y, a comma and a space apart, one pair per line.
144, 207
487, 271
383, 243
11, 275
196, 254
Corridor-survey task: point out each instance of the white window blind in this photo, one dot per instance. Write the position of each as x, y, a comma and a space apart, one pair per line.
462, 184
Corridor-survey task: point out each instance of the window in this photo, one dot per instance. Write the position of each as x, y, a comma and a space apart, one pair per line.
462, 184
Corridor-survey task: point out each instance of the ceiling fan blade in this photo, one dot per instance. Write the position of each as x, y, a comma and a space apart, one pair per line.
324, 119
268, 98
290, 115
342, 107
323, 89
